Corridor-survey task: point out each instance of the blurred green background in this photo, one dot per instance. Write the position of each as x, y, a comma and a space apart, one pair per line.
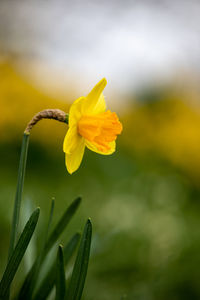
144, 199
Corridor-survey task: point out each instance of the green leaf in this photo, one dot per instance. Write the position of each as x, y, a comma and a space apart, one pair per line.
18, 196
62, 223
31, 279
81, 265
60, 275
18, 253
49, 280
30, 254
29, 282
50, 216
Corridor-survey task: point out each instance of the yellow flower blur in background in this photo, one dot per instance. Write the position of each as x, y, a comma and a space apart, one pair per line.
91, 126
168, 128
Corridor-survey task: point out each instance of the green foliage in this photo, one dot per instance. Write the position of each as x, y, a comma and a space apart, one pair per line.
48, 281
18, 254
61, 225
27, 290
18, 196
60, 275
56, 274
30, 280
81, 264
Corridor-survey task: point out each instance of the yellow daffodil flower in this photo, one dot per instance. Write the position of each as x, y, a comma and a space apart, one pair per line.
91, 126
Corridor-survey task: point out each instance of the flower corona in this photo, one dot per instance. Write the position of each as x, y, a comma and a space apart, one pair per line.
91, 126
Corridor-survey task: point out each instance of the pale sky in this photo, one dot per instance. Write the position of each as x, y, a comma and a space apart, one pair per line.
128, 42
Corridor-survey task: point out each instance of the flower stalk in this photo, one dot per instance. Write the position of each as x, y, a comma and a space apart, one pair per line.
55, 114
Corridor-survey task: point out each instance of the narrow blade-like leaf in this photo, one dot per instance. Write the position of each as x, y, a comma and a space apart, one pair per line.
18, 196
57, 231
79, 273
60, 275
31, 279
50, 216
49, 280
18, 253
62, 223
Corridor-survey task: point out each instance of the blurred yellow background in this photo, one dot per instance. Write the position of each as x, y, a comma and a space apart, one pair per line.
163, 119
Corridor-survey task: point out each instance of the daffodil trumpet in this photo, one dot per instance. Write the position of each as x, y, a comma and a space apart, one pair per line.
91, 126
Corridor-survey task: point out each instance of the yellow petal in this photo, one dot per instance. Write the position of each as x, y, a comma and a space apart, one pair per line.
95, 102
71, 140
75, 111
92, 147
74, 159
